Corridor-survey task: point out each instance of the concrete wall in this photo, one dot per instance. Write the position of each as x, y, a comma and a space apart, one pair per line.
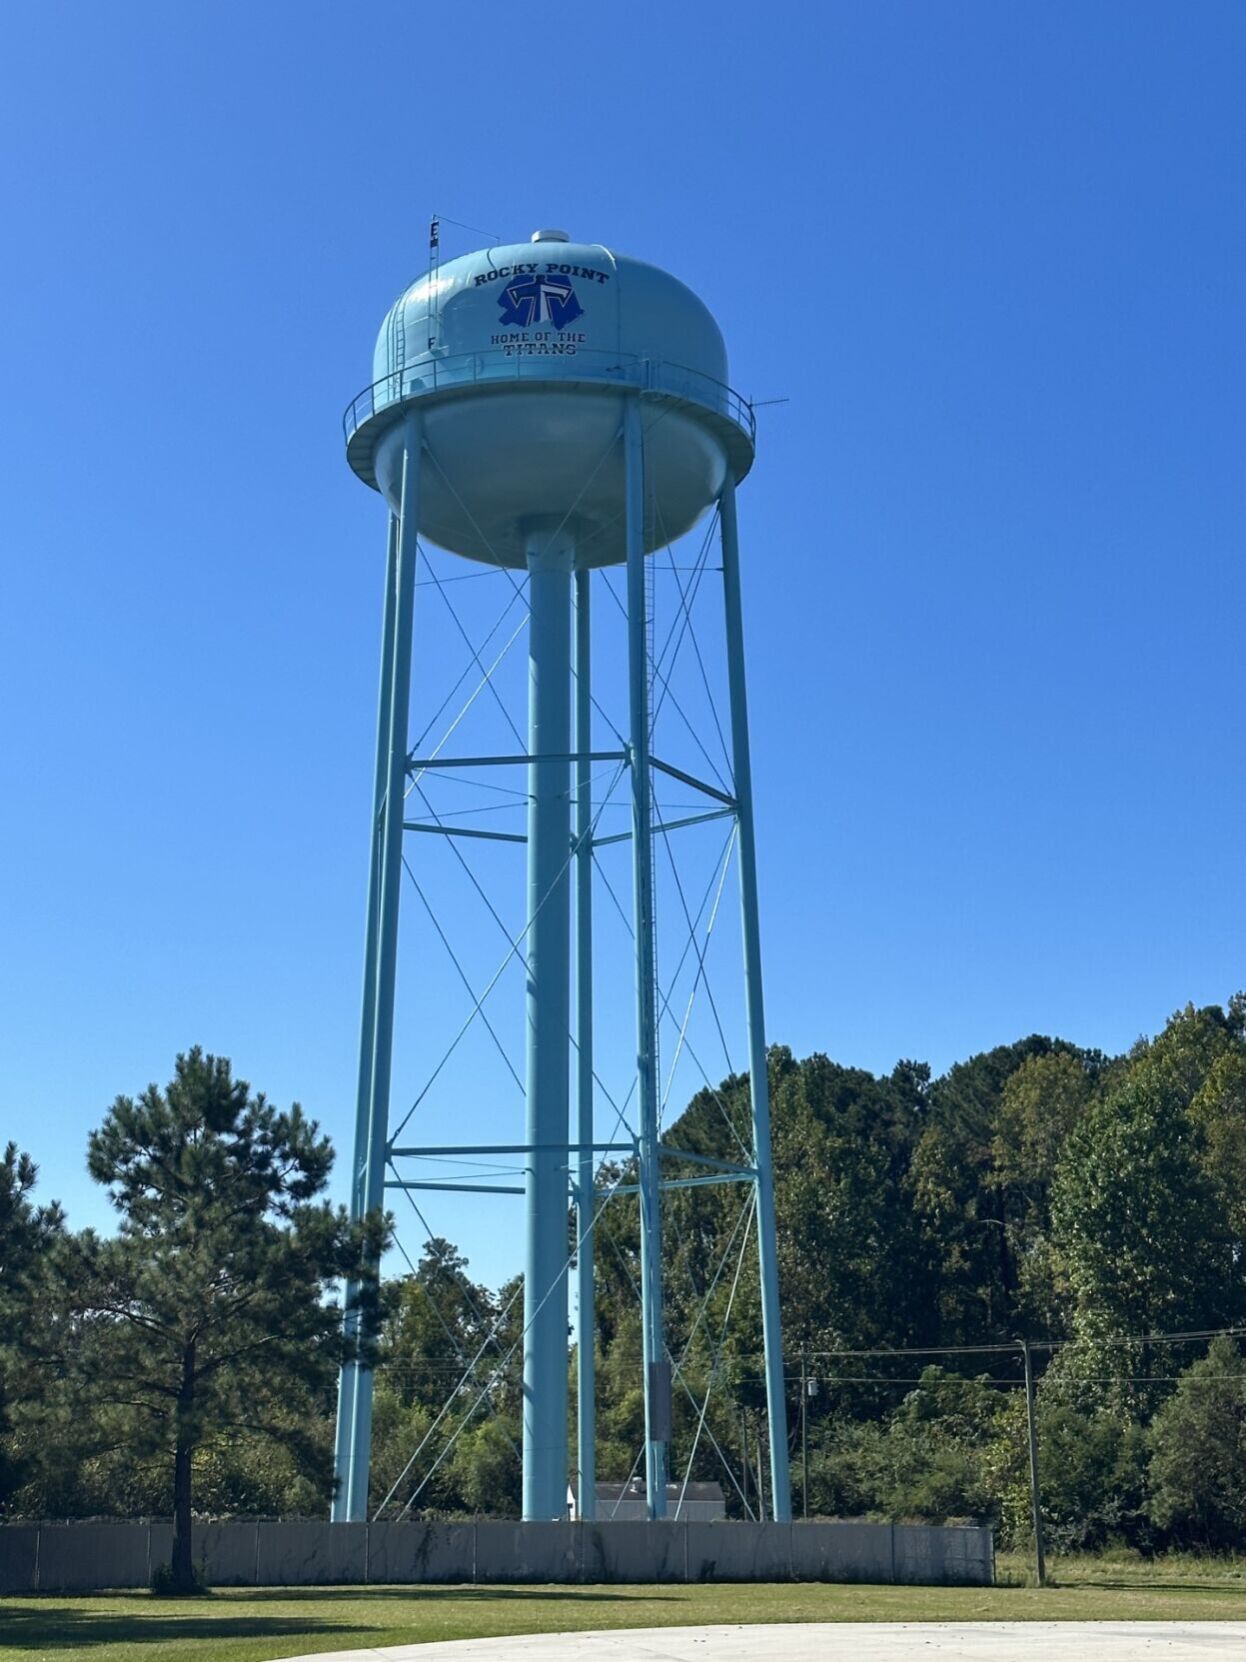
84, 1557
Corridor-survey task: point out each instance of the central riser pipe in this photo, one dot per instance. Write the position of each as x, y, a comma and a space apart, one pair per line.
657, 1403
545, 1392
586, 1356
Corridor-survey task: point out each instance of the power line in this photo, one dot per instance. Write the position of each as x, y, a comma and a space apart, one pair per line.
1117, 1341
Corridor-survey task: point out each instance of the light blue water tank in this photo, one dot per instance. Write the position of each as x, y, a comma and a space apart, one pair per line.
520, 357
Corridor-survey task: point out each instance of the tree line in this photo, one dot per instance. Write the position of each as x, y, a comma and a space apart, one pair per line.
1093, 1205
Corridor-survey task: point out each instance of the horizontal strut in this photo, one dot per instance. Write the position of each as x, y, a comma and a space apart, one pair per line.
458, 1188
707, 1160
668, 825
508, 1148
464, 831
414, 762
742, 1176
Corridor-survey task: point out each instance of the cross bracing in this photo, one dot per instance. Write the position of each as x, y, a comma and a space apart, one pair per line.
464, 806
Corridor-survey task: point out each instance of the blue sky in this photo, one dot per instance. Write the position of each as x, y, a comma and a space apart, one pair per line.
993, 256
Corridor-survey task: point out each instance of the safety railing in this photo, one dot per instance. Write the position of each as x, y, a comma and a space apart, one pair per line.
432, 374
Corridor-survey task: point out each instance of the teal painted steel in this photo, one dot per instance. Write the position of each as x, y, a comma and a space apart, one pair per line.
708, 1182
523, 356
586, 1356
438, 1149
654, 1347
363, 1091
450, 1188
554, 407
551, 559
379, 1041
548, 303
422, 762
758, 1077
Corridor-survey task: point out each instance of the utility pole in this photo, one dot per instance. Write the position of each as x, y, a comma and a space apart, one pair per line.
804, 1436
1036, 1505
744, 1447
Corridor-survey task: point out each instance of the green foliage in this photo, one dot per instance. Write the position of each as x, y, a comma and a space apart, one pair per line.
980, 1178
447, 1390
928, 1460
435, 1321
1040, 1104
851, 1254
485, 1472
204, 1322
27, 1232
1092, 1467
165, 1583
1198, 1461
1130, 1198
1218, 1115
28, 1235
1036, 1188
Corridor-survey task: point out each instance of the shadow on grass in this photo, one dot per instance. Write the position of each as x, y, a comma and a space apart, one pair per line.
454, 1590
65, 1628
1137, 1584
70, 1626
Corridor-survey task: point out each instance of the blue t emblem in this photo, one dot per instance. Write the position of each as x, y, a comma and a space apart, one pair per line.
529, 300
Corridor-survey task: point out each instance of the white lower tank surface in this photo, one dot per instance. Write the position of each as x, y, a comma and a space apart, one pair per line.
500, 461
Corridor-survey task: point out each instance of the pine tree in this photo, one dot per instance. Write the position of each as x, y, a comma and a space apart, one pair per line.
207, 1317
27, 1235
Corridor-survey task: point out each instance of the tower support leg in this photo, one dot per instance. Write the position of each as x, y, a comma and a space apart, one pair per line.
780, 1486
545, 1398
657, 1374
586, 1359
363, 1091
354, 1424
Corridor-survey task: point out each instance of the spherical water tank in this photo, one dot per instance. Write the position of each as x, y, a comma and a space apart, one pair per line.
519, 358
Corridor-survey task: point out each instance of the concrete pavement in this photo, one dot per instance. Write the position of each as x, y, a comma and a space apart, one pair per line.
844, 1642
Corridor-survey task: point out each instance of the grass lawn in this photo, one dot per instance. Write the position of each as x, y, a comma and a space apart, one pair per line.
253, 1626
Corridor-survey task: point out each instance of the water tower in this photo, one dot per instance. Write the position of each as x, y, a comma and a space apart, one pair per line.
553, 408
